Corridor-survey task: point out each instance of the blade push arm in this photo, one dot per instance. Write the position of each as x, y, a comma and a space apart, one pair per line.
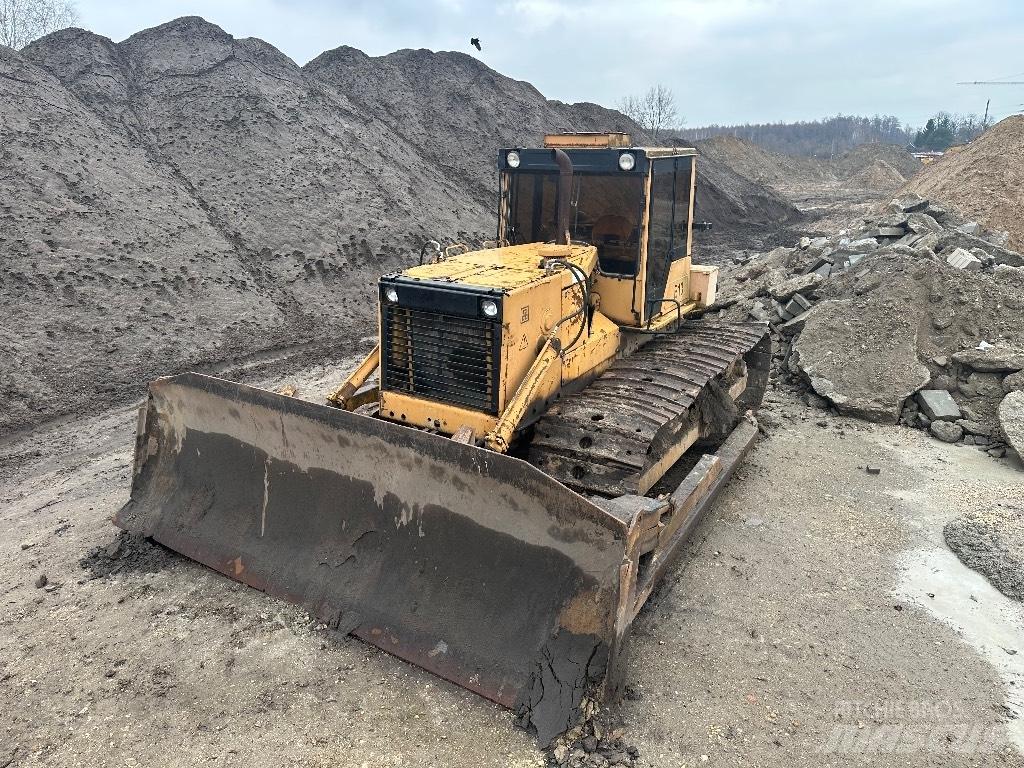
547, 364
352, 393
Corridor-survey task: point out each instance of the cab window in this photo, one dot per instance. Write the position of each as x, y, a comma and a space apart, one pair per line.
604, 210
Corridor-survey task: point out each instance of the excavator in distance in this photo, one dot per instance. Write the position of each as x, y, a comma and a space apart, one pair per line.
496, 489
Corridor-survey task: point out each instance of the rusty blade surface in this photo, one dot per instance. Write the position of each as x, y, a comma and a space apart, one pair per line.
471, 564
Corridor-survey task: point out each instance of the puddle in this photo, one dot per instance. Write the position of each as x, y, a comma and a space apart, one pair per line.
986, 619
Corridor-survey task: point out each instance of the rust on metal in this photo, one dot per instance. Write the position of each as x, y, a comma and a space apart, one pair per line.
471, 564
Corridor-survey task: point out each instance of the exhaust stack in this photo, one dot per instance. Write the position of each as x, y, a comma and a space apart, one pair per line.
564, 193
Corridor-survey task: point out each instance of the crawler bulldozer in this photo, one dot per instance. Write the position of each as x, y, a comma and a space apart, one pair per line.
496, 489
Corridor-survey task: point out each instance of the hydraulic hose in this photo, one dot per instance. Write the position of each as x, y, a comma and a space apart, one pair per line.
581, 278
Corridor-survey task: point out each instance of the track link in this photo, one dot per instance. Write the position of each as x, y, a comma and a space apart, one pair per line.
627, 428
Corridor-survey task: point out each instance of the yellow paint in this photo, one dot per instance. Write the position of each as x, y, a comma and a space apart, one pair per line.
342, 396
429, 414
544, 351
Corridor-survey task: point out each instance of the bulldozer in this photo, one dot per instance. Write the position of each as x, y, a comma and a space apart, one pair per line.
496, 489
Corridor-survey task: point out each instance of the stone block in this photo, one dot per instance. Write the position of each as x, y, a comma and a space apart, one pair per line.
938, 405
963, 259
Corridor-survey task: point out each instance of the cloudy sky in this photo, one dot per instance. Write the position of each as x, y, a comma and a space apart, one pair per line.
726, 60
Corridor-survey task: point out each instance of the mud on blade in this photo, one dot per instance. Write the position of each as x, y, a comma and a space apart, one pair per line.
471, 564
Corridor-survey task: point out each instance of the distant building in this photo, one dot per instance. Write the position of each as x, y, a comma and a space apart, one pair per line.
927, 157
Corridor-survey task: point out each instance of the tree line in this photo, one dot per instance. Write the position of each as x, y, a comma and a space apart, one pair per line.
832, 136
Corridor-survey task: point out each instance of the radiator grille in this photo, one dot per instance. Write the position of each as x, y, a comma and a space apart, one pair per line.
441, 357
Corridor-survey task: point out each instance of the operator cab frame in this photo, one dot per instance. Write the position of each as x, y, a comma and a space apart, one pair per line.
635, 204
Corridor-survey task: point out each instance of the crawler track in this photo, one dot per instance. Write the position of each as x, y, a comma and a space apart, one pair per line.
624, 431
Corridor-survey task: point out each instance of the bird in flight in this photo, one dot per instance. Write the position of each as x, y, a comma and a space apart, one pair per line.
475, 42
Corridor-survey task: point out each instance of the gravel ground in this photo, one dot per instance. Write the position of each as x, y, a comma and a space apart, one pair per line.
781, 625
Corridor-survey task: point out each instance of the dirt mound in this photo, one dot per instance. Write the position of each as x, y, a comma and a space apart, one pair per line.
454, 109
738, 207
879, 175
985, 180
109, 262
459, 112
185, 198
762, 166
871, 166
865, 156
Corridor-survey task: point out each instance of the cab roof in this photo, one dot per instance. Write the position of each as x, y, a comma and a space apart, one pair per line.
589, 159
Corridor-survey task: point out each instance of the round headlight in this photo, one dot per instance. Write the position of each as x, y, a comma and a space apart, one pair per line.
627, 161
391, 295
512, 158
489, 308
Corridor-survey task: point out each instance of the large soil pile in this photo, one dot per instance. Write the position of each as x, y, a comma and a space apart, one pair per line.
985, 180
883, 167
866, 155
459, 128
454, 109
761, 165
184, 198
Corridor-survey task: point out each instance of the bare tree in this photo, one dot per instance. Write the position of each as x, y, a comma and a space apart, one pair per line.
22, 21
654, 111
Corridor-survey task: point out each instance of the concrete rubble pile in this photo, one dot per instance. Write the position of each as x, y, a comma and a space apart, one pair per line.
914, 317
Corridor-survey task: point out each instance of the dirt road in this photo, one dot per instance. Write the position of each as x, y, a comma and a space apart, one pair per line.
817, 619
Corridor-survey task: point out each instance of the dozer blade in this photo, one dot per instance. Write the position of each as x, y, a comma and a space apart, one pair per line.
471, 564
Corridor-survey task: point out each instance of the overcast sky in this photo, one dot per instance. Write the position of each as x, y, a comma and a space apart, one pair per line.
726, 60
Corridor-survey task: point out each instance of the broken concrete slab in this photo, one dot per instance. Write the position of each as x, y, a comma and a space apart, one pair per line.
922, 224
969, 228
952, 238
818, 262
929, 241
1014, 382
798, 305
890, 232
800, 284
892, 220
975, 427
962, 259
844, 261
997, 237
862, 245
908, 203
938, 405
758, 313
937, 212
992, 358
946, 431
880, 335
981, 384
794, 326
1011, 420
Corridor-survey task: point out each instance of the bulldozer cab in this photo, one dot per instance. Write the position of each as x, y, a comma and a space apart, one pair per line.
635, 204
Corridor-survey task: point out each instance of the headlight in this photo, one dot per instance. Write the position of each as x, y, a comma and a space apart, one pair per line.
512, 158
627, 161
489, 308
391, 295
